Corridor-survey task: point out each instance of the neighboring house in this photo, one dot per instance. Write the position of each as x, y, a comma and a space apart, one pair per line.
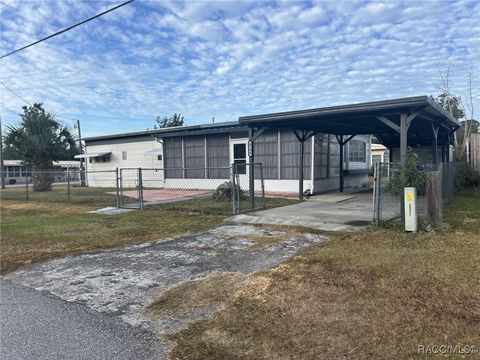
16, 172
379, 154
214, 147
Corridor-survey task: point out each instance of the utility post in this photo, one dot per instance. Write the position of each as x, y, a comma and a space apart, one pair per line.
2, 168
82, 169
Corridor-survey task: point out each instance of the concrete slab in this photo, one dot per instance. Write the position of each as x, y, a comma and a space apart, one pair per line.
330, 212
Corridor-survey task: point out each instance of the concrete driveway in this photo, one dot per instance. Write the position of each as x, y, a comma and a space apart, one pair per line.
119, 283
330, 212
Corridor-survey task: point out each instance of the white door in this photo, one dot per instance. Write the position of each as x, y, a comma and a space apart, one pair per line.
238, 157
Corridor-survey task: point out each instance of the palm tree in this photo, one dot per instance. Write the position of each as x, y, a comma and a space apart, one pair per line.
39, 140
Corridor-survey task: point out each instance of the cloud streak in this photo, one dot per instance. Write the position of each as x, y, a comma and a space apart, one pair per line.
225, 59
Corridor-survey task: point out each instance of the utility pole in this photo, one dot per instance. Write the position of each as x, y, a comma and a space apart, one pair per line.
82, 169
2, 168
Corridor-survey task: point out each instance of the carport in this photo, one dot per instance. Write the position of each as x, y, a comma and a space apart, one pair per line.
397, 123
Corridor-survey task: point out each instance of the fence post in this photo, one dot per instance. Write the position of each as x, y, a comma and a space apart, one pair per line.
263, 185
116, 187
376, 193
26, 185
68, 185
234, 190
140, 188
434, 200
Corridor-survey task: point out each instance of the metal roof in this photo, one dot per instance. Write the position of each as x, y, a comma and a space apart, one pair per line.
362, 118
173, 131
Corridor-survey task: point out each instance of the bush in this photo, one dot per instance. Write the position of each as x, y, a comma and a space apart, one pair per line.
224, 192
468, 179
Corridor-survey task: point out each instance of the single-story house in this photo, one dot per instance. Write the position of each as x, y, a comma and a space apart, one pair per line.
207, 151
16, 172
318, 149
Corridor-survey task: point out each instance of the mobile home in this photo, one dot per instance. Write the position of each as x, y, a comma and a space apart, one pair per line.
190, 155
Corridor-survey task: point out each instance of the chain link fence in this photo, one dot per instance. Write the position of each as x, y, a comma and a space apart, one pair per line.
217, 189
96, 188
246, 198
388, 198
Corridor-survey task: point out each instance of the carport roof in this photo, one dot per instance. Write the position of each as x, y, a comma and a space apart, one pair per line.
362, 118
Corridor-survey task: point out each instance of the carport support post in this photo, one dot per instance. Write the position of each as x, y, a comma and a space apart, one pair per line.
342, 179
434, 144
403, 139
302, 155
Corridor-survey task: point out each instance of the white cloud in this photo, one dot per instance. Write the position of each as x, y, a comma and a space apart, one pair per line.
230, 58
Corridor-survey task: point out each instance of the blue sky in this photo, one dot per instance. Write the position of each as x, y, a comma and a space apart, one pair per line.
230, 58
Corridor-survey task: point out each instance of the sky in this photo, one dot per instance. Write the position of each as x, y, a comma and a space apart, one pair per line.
227, 59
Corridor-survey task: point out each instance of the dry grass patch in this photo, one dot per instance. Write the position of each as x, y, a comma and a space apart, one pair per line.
184, 298
375, 294
39, 231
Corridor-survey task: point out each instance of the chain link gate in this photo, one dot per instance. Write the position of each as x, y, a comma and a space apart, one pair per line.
130, 191
242, 199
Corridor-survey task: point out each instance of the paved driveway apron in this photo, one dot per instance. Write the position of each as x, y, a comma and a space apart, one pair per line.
119, 283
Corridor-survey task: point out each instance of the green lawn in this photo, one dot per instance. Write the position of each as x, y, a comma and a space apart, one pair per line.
48, 227
374, 294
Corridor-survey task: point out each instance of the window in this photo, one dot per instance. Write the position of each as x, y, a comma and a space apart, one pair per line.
321, 156
124, 155
357, 151
173, 152
218, 156
266, 153
334, 169
240, 157
194, 149
290, 156
100, 159
376, 159
159, 157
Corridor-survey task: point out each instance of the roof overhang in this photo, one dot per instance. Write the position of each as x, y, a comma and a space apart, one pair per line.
362, 118
92, 155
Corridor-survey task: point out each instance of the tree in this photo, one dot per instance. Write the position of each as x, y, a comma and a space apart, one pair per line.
457, 108
39, 140
451, 103
166, 122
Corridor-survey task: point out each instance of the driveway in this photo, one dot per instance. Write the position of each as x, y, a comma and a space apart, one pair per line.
330, 212
116, 285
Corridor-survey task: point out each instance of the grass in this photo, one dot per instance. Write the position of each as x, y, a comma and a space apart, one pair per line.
47, 227
59, 194
375, 294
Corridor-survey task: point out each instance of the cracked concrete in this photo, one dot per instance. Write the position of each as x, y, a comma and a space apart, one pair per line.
121, 282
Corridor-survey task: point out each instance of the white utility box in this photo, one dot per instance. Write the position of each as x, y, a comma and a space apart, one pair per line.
411, 218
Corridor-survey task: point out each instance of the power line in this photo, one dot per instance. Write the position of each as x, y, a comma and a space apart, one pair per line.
67, 28
15, 93
7, 5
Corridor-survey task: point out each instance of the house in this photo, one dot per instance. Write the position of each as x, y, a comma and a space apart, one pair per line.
315, 149
201, 152
15, 170
379, 154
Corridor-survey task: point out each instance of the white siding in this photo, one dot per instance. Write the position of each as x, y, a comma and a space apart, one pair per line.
135, 158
